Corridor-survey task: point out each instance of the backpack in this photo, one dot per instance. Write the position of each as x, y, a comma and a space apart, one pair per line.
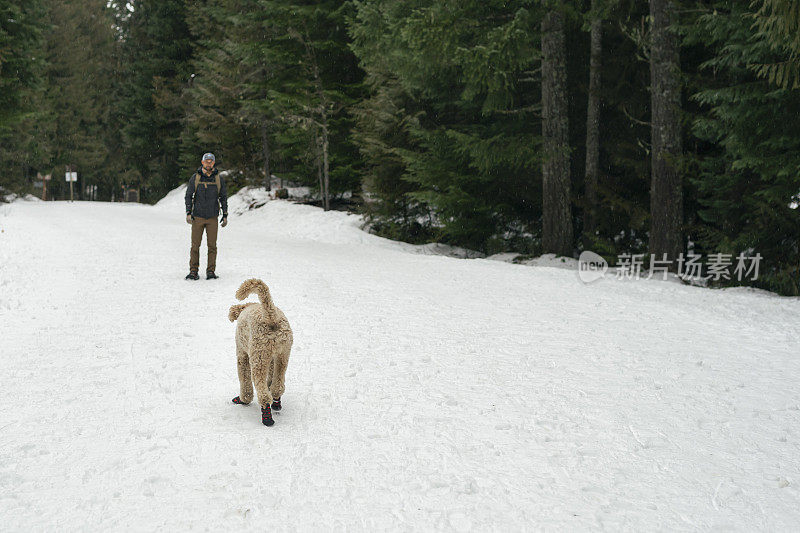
197, 181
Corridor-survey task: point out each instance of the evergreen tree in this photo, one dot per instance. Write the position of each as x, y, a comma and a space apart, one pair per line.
666, 189
471, 71
597, 13
157, 53
21, 68
383, 134
311, 78
556, 209
276, 91
778, 23
749, 165
457, 133
79, 97
213, 120
622, 208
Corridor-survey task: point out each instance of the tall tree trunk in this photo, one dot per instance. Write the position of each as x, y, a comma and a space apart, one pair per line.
325, 169
319, 169
265, 151
323, 112
666, 196
593, 123
556, 211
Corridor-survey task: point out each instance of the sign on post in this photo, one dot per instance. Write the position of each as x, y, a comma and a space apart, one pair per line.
71, 178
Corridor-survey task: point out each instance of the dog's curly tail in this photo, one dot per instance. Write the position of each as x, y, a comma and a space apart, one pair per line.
257, 286
235, 311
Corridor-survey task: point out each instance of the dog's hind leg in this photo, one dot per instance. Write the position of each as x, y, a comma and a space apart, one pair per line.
261, 368
277, 386
278, 375
245, 377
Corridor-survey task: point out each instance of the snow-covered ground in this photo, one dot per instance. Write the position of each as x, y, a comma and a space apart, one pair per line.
423, 392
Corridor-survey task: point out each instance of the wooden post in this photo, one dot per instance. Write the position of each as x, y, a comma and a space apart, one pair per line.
71, 176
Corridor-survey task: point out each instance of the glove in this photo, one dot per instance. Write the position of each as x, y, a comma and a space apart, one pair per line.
224, 221
189, 218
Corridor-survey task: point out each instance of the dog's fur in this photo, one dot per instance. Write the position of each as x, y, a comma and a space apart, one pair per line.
263, 342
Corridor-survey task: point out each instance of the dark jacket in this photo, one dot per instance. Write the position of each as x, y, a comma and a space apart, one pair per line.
206, 200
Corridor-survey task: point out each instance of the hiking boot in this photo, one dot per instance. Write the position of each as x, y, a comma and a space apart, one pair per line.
276, 404
211, 275
192, 275
266, 416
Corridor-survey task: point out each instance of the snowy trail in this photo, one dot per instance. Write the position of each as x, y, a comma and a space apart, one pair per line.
423, 392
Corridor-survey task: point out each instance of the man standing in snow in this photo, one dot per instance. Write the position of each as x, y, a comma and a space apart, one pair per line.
205, 193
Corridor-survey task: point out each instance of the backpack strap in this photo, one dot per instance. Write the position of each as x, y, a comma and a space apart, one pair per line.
197, 181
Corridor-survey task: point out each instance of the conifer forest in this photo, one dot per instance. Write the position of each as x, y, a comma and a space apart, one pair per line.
660, 127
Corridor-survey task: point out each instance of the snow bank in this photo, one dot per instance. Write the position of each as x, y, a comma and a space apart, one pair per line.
245, 199
13, 197
256, 208
174, 200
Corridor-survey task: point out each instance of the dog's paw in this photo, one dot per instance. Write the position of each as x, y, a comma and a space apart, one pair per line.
266, 416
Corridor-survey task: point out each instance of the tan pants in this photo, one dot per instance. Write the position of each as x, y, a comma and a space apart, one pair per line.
210, 225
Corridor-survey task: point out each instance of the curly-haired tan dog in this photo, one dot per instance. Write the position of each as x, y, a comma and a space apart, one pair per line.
263, 342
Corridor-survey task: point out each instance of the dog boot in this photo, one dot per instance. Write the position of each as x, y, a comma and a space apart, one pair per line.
239, 401
266, 416
276, 404
210, 275
192, 275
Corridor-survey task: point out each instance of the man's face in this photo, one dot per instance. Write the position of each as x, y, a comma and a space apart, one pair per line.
208, 164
